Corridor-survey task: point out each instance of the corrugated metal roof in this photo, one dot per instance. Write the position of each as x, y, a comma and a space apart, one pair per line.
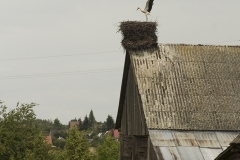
190, 153
236, 140
189, 87
225, 137
189, 145
210, 153
229, 151
224, 148
169, 153
207, 139
185, 138
162, 138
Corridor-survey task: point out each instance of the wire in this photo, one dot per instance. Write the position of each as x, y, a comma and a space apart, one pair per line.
226, 41
60, 73
66, 55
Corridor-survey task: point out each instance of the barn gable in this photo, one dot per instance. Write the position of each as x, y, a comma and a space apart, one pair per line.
180, 88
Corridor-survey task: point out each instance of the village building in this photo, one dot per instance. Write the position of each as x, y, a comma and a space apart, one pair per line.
49, 141
113, 133
179, 102
73, 123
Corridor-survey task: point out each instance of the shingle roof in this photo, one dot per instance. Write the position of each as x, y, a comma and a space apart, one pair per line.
189, 87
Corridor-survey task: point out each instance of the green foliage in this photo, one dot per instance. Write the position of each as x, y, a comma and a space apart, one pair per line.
59, 143
57, 154
85, 124
44, 125
39, 151
57, 124
103, 127
60, 134
110, 122
79, 124
92, 120
76, 146
97, 141
19, 139
109, 150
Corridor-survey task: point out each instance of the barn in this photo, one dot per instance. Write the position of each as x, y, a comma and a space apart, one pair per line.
179, 102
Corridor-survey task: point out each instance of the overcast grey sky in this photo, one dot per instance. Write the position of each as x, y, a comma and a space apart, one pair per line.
46, 28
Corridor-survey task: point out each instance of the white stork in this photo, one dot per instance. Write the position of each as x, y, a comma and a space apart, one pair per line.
147, 8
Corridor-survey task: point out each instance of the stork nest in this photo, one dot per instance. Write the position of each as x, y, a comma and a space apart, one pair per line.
138, 35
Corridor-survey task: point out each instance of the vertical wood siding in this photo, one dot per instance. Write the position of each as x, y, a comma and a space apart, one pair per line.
133, 120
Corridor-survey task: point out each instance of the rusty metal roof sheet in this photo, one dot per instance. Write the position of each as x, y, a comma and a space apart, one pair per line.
189, 87
169, 153
210, 153
189, 145
207, 139
236, 140
185, 138
190, 153
225, 137
161, 138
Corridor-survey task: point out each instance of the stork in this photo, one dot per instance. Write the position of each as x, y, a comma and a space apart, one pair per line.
147, 8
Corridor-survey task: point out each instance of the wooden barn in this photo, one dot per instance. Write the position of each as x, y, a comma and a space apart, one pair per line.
179, 102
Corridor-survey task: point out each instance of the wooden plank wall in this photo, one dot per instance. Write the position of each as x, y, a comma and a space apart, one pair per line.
134, 133
133, 120
140, 147
126, 148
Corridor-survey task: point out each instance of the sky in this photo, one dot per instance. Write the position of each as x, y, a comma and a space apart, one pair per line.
67, 57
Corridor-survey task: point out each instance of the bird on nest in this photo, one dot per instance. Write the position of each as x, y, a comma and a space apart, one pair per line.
147, 8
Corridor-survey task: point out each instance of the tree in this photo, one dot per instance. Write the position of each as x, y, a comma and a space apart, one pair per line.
76, 146
39, 151
57, 123
85, 124
109, 150
110, 122
19, 138
59, 143
79, 124
97, 141
92, 120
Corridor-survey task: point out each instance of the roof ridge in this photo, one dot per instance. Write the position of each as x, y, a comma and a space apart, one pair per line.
186, 44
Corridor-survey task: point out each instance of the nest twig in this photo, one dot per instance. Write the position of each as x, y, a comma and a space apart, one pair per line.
138, 35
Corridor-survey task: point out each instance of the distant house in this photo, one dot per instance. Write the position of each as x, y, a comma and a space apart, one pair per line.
232, 152
61, 138
114, 133
49, 140
73, 123
179, 102
99, 134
